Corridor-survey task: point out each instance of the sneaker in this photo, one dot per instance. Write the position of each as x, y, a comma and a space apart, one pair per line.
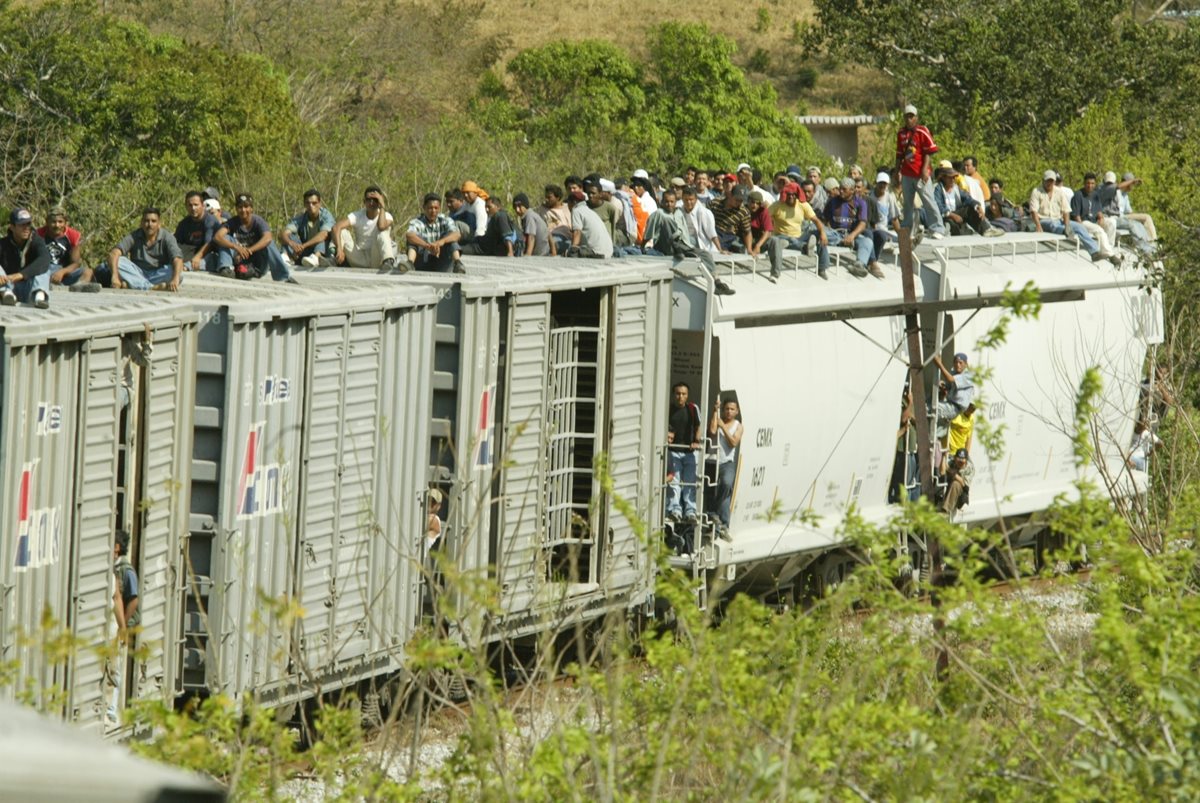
85, 287
675, 516
458, 266
875, 270
723, 533
918, 234
992, 231
291, 280
857, 270
692, 518
404, 267
8, 298
389, 264
937, 235
225, 273
41, 299
824, 274
310, 261
723, 289
772, 277
1101, 255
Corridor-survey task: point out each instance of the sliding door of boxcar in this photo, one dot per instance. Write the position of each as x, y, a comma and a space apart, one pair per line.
341, 475
168, 398
100, 405
520, 564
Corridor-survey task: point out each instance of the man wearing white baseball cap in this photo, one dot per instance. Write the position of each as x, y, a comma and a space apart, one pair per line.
884, 213
914, 150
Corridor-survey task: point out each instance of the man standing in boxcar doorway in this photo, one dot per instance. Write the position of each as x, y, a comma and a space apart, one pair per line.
683, 439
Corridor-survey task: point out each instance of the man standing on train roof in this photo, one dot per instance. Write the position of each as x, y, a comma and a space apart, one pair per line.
147, 258
683, 443
24, 263
960, 387
914, 147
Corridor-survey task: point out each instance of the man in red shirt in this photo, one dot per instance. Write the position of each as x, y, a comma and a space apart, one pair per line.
914, 147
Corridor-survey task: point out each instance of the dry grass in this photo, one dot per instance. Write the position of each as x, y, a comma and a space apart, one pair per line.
769, 25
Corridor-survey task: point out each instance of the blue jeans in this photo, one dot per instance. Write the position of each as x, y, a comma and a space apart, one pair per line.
726, 473
681, 463
801, 244
268, 258
24, 288
863, 247
139, 279
1077, 230
439, 264
910, 187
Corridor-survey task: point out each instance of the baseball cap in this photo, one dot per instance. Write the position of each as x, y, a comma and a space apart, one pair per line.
961, 454
212, 205
831, 183
743, 166
792, 169
435, 496
1128, 177
740, 193
1049, 175
607, 186
1110, 177
211, 192
756, 196
910, 109
20, 217
883, 177
813, 169
961, 356
244, 198
640, 173
847, 183
678, 182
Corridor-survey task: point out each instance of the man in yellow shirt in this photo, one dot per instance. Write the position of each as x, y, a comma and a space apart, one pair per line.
795, 222
961, 428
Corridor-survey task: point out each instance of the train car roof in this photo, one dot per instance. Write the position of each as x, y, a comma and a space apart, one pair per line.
264, 300
79, 316
986, 266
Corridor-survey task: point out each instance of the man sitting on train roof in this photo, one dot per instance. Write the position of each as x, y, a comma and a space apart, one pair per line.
194, 233
794, 222
732, 219
433, 239
960, 212
246, 248
557, 216
148, 258
846, 216
664, 226
534, 233
66, 261
306, 237
1086, 206
499, 236
24, 263
959, 387
1119, 215
363, 238
1050, 208
589, 238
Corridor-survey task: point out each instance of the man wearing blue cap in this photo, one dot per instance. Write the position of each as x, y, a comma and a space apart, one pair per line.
24, 263
959, 386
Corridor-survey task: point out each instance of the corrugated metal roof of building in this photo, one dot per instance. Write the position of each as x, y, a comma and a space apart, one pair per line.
840, 120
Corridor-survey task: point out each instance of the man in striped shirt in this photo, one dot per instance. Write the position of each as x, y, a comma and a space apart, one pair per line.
433, 239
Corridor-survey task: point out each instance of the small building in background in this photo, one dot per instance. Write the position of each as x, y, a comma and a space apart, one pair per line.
838, 134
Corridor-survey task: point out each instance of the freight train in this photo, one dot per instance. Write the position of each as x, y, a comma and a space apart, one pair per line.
273, 449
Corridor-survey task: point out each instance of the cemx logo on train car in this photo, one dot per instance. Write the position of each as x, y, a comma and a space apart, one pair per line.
260, 484
37, 528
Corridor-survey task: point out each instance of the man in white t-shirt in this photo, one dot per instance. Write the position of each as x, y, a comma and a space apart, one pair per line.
364, 237
725, 427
